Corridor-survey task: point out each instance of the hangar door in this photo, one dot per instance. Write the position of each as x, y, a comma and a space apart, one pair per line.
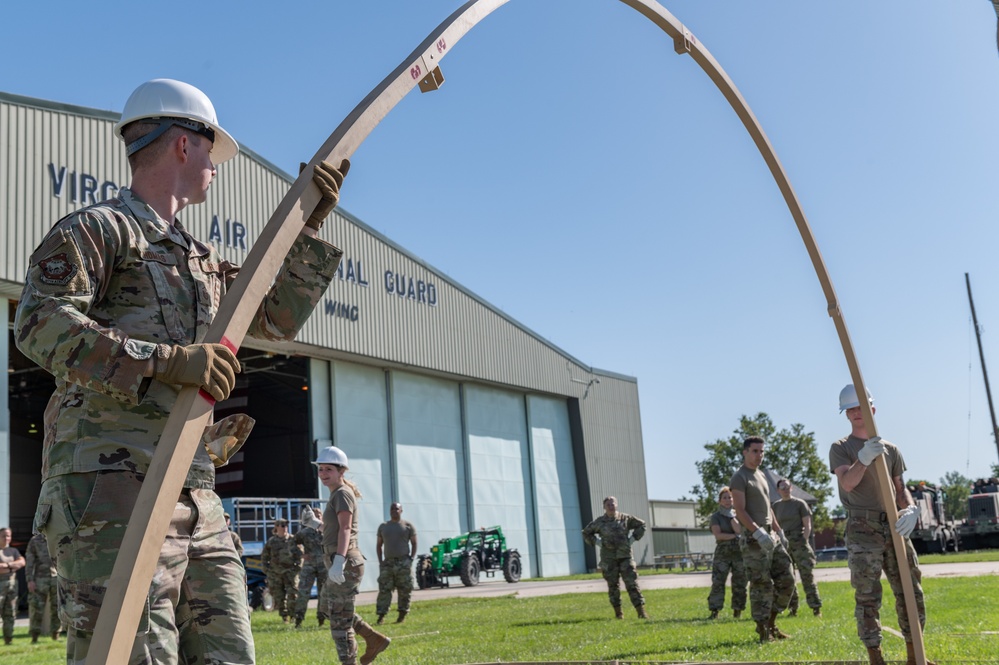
500, 465
560, 540
430, 458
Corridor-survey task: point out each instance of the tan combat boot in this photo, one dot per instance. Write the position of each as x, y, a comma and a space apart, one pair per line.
374, 642
402, 617
713, 615
910, 655
642, 614
763, 630
381, 619
874, 656
774, 630
618, 614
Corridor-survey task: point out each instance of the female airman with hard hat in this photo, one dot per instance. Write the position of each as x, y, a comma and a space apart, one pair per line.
345, 561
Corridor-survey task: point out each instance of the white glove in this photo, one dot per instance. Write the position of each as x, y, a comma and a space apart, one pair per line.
872, 448
783, 539
310, 519
907, 518
764, 539
731, 513
336, 570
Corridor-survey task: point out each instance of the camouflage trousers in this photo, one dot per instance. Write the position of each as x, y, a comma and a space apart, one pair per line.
870, 550
196, 610
727, 560
312, 571
283, 585
8, 597
395, 574
804, 559
770, 579
338, 601
616, 570
46, 589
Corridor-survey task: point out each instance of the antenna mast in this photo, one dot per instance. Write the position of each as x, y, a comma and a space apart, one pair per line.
981, 354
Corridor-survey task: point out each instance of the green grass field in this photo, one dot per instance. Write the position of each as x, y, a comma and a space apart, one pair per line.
963, 627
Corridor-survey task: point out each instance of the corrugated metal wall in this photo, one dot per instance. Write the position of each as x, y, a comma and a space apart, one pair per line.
674, 514
387, 308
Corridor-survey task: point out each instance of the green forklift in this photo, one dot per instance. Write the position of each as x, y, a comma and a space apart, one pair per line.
467, 556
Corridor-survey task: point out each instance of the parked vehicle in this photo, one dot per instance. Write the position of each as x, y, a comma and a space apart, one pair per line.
981, 529
934, 533
466, 556
831, 554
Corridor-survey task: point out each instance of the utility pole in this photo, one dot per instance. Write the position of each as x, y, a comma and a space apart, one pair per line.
981, 354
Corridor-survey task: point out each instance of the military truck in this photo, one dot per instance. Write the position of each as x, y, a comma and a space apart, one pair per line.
934, 533
467, 556
981, 529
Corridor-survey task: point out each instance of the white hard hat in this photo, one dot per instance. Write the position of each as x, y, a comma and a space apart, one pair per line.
332, 455
175, 103
848, 398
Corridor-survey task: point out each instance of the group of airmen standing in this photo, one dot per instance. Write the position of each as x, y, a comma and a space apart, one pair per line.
42, 589
759, 540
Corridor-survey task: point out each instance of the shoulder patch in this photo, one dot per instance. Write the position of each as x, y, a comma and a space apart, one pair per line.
57, 266
57, 269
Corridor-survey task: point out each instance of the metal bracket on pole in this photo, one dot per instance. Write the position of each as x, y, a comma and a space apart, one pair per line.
427, 70
682, 42
432, 81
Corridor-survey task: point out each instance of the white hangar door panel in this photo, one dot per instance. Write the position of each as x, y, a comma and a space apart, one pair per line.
360, 428
560, 539
500, 468
430, 461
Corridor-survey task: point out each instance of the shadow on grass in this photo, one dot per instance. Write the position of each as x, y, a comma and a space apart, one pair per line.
687, 654
557, 622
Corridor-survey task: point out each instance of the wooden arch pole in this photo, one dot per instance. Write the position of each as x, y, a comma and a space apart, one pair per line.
128, 586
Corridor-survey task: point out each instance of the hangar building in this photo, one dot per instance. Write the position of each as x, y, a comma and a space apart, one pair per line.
441, 401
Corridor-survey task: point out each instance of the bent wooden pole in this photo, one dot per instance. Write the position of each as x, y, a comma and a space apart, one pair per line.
136, 561
685, 42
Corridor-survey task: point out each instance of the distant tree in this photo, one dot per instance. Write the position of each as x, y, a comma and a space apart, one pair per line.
995, 470
956, 490
840, 532
790, 452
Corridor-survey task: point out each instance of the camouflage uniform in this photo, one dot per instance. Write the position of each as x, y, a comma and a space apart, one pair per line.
396, 569
870, 549
42, 571
770, 579
616, 562
727, 559
340, 598
281, 561
109, 288
237, 542
790, 515
313, 570
8, 593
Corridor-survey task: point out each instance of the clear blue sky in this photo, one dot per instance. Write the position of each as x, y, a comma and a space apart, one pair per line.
596, 187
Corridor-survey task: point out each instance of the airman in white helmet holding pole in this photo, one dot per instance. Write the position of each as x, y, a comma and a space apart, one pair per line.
868, 536
116, 304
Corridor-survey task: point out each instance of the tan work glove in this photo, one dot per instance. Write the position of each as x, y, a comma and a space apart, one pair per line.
211, 367
328, 180
223, 439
